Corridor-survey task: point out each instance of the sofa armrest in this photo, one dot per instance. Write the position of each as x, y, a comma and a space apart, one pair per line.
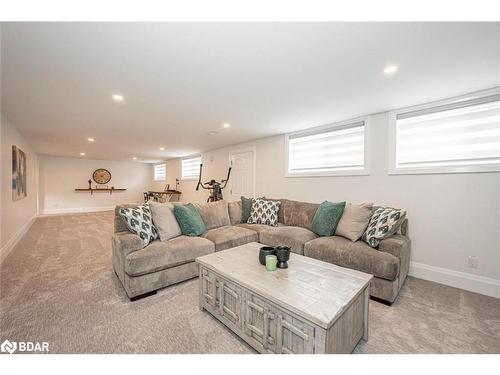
126, 242
397, 245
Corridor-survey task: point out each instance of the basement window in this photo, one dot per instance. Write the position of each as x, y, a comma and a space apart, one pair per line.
191, 167
337, 149
455, 136
160, 172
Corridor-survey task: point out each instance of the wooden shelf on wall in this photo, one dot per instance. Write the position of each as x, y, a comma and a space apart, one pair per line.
91, 191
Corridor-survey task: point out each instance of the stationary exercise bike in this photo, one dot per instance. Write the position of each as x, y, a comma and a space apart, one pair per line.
213, 186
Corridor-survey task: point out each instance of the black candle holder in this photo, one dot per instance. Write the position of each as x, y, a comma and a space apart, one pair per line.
283, 255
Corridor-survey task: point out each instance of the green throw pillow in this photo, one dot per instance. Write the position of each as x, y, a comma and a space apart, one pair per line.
246, 208
189, 220
326, 218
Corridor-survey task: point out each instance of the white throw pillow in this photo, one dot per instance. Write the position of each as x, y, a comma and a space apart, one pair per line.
165, 221
384, 222
264, 212
139, 221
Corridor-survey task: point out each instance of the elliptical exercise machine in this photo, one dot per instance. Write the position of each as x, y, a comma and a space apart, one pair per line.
213, 186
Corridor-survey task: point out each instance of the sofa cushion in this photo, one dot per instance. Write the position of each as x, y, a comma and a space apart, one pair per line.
298, 214
326, 218
140, 221
356, 255
230, 236
255, 227
214, 214
234, 209
189, 220
162, 255
294, 237
164, 220
264, 212
354, 220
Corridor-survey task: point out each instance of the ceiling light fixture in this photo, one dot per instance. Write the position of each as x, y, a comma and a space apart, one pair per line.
212, 133
227, 125
162, 148
135, 158
390, 69
82, 153
118, 98
90, 139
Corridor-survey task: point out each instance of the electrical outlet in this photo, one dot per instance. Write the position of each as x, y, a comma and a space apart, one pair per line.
473, 262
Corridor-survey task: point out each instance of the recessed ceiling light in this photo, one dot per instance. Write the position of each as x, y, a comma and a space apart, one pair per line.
82, 153
135, 158
118, 98
226, 125
212, 133
162, 148
390, 69
90, 139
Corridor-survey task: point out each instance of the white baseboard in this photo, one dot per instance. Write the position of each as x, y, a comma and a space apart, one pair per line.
16, 237
468, 281
74, 210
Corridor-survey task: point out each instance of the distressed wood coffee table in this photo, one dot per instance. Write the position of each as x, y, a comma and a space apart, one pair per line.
310, 307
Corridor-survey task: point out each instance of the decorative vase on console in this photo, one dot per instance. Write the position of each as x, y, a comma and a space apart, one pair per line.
283, 254
90, 184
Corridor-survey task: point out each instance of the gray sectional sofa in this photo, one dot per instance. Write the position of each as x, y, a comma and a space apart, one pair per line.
142, 271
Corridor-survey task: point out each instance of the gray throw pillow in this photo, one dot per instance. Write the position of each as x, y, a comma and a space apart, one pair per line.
165, 221
354, 221
384, 222
139, 221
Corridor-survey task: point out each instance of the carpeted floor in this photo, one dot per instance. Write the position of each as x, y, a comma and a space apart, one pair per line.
58, 286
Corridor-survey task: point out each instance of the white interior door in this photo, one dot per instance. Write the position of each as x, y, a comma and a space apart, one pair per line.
242, 181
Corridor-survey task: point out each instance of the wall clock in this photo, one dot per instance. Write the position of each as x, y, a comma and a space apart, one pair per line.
101, 176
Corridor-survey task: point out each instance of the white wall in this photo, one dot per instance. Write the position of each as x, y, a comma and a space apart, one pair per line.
59, 176
451, 216
16, 216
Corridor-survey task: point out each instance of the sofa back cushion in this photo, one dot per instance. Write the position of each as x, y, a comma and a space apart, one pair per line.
298, 214
189, 220
234, 209
214, 214
164, 220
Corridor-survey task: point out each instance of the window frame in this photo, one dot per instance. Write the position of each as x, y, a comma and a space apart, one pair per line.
182, 171
365, 171
393, 169
154, 172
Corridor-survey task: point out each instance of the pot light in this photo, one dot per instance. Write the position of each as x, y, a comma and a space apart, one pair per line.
212, 133
90, 139
82, 153
118, 98
390, 69
162, 148
227, 125
134, 158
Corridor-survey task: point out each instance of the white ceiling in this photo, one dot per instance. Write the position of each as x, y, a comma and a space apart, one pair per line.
181, 81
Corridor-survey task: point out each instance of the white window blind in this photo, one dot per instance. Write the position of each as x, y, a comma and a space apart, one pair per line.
338, 148
160, 172
191, 167
461, 134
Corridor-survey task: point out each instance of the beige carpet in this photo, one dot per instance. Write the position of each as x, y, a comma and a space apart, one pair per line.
58, 286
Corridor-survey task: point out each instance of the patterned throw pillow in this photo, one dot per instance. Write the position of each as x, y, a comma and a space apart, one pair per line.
384, 222
264, 212
139, 221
